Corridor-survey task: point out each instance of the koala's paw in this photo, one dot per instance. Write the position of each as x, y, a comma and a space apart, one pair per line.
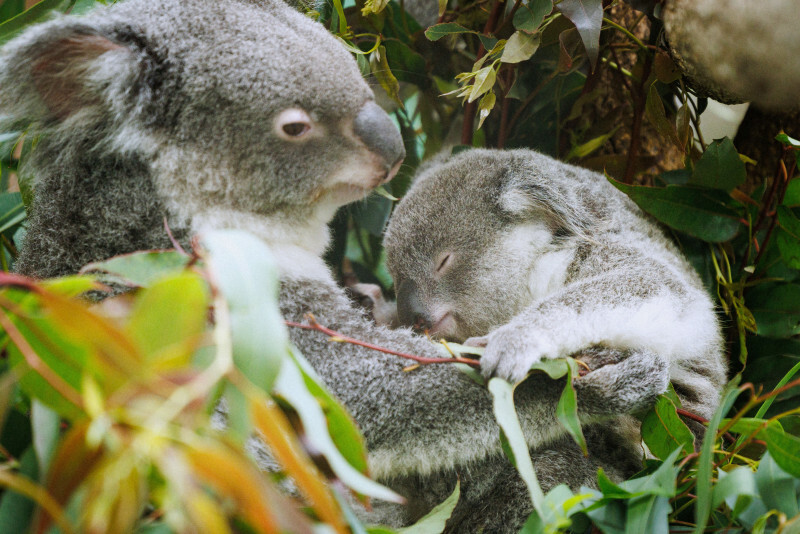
626, 382
509, 353
370, 298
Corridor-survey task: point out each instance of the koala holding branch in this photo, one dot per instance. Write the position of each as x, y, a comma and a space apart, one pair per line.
533, 258
247, 114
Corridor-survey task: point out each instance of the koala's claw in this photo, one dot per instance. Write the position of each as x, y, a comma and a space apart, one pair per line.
477, 341
508, 355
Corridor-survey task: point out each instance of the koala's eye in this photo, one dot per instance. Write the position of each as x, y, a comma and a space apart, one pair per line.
444, 262
293, 124
295, 129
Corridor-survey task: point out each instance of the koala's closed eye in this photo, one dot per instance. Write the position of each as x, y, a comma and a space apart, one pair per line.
443, 263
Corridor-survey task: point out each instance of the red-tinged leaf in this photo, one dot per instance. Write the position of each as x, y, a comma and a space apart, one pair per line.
71, 464
230, 476
587, 15
24, 486
276, 431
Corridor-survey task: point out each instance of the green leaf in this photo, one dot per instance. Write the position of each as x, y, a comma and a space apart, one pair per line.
140, 269
719, 167
737, 488
520, 47
291, 386
567, 408
694, 211
34, 14
776, 487
648, 513
776, 308
434, 521
529, 16
663, 431
169, 317
787, 141
379, 65
506, 415
485, 107
46, 426
242, 268
788, 237
587, 15
792, 197
16, 510
437, 31
706, 461
12, 211
784, 449
654, 108
483, 82
343, 429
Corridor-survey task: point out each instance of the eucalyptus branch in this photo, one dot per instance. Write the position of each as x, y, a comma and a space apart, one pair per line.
336, 336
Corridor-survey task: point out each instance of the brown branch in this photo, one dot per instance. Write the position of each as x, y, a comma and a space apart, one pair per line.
336, 336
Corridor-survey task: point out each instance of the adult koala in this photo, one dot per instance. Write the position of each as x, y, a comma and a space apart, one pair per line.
235, 113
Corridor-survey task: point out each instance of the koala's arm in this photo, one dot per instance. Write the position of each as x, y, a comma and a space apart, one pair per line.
625, 301
435, 418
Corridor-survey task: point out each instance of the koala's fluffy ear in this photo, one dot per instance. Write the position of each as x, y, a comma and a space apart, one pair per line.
523, 198
56, 70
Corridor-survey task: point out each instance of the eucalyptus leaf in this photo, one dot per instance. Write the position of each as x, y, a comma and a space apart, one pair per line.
719, 167
663, 430
437, 31
776, 308
530, 15
506, 415
434, 521
243, 270
520, 47
140, 269
788, 237
706, 461
587, 15
46, 426
291, 386
699, 213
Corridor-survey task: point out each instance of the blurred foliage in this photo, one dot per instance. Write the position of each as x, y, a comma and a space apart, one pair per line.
107, 410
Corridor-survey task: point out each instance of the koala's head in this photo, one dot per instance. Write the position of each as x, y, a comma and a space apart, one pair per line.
243, 105
461, 243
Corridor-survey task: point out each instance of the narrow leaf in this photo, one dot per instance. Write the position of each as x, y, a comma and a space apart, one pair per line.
506, 415
435, 520
437, 31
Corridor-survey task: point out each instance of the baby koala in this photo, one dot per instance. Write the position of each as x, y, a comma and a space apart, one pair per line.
534, 258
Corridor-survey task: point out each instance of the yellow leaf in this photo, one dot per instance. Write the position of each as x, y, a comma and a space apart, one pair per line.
484, 81
279, 437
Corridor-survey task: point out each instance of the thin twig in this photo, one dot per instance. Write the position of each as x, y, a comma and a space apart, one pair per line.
172, 239
336, 336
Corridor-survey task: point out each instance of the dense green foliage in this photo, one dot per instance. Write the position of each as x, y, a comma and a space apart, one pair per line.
106, 411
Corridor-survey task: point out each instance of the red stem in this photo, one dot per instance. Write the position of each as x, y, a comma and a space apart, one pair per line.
314, 325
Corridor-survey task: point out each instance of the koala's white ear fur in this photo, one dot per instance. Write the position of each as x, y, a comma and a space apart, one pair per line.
523, 198
62, 73
56, 70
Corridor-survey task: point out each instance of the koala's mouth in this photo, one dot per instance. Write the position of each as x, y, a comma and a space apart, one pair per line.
345, 192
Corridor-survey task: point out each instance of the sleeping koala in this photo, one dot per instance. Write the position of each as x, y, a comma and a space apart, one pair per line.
247, 114
533, 258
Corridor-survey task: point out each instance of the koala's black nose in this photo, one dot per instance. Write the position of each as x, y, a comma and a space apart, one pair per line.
410, 310
374, 127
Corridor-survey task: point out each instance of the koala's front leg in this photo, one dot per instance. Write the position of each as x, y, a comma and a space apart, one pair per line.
620, 310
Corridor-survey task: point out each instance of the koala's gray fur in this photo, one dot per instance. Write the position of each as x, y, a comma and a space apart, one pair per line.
544, 260
153, 109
